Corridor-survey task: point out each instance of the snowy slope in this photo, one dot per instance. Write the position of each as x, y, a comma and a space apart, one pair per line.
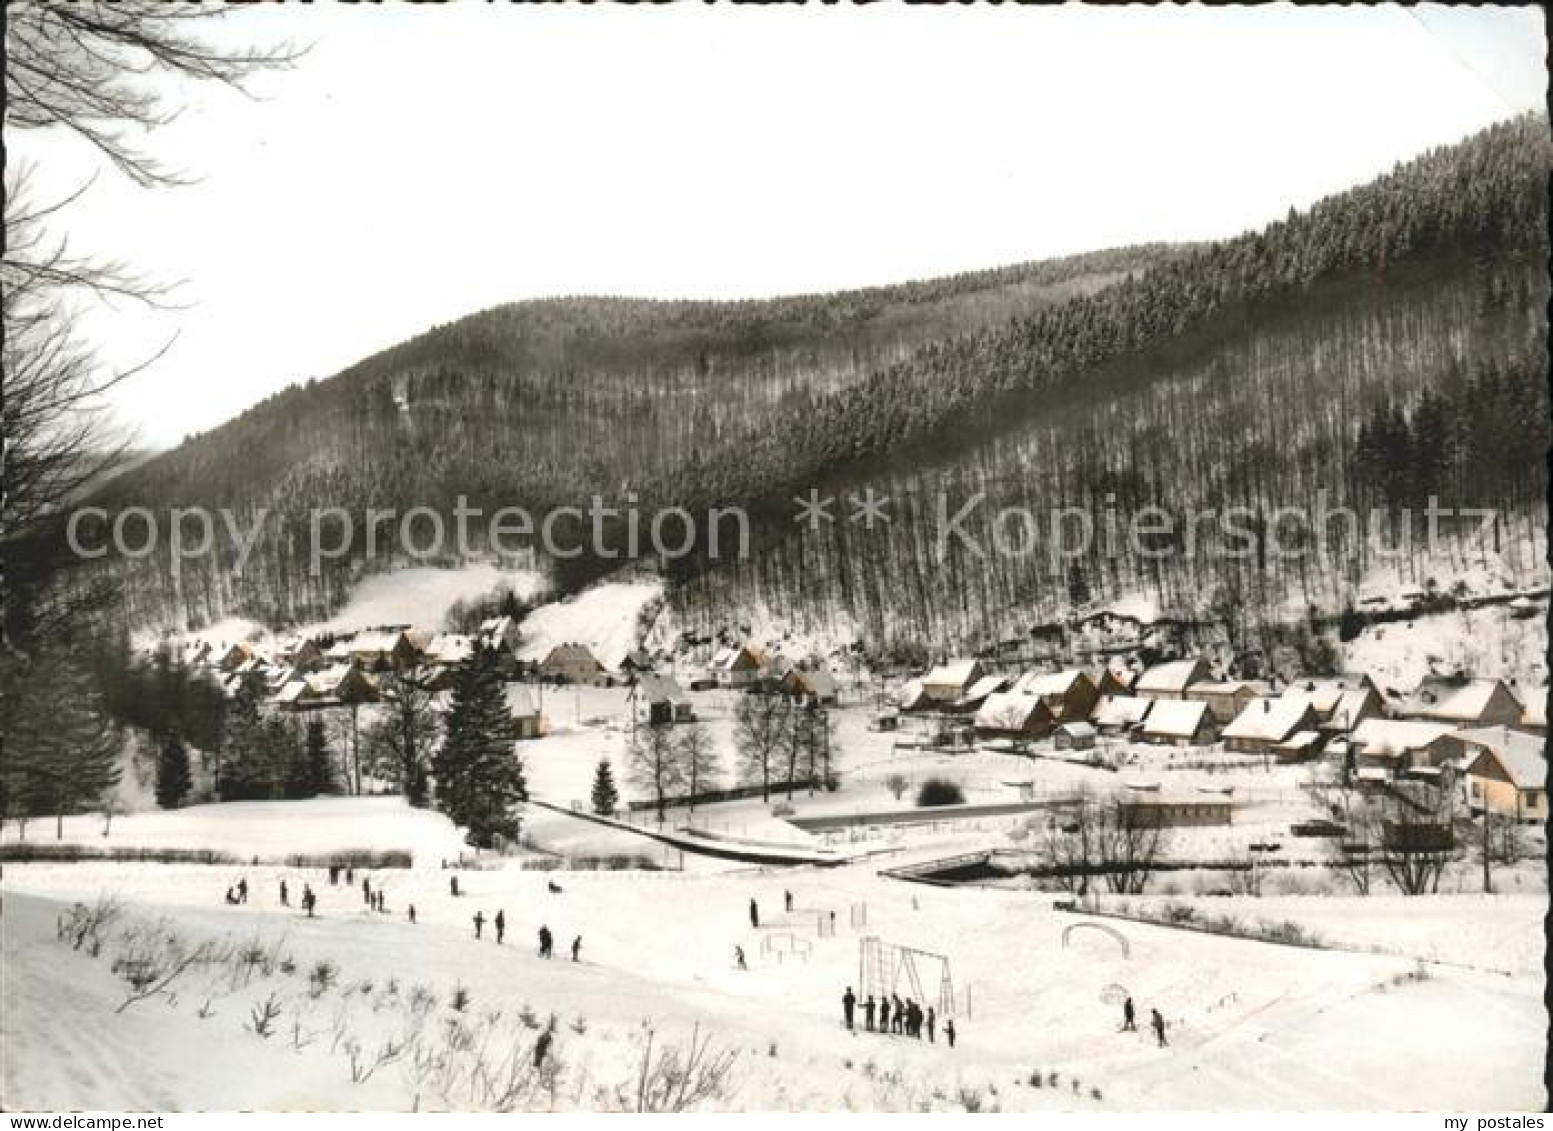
1252, 1025
605, 618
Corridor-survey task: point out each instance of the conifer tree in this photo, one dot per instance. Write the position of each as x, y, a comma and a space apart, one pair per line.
479, 776
605, 796
172, 773
320, 766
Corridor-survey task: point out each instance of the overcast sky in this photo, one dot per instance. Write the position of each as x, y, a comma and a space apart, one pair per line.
421, 163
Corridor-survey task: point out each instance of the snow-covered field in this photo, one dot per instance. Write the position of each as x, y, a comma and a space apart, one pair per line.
1251, 1025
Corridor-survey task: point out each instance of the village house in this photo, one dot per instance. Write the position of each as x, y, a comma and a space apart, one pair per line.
572, 663
1506, 773
445, 655
1178, 722
1227, 698
299, 652
737, 667
950, 682
1010, 714
1268, 723
335, 686
384, 649
1340, 704
525, 711
1380, 749
1120, 715
1171, 680
1301, 746
659, 699
1074, 736
1473, 702
1070, 695
817, 686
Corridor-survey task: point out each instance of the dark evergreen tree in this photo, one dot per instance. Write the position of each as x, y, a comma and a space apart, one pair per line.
320, 763
172, 773
479, 775
605, 796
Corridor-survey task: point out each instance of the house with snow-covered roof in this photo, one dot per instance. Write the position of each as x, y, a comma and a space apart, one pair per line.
1266, 723
1071, 695
737, 665
525, 711
1015, 715
950, 681
1120, 714
1383, 748
1178, 722
1465, 702
1226, 698
816, 685
572, 663
660, 699
1506, 773
1170, 680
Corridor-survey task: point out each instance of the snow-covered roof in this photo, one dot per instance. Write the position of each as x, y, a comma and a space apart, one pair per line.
1230, 687
1394, 737
1323, 696
291, 692
1049, 683
985, 686
1465, 703
1077, 730
1521, 755
1270, 720
1120, 710
1176, 676
376, 640
1175, 718
327, 681
449, 648
820, 682
654, 687
728, 659
1301, 740
957, 673
910, 694
1007, 710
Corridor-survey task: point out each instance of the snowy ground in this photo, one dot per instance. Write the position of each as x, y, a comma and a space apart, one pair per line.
1251, 1025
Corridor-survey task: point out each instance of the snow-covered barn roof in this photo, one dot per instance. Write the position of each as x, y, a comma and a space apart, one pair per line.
1270, 720
1175, 718
1175, 676
1120, 710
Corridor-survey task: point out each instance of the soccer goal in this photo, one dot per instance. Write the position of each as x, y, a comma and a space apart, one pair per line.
886, 969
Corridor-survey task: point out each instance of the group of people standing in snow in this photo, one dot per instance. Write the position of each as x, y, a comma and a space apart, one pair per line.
1130, 1022
894, 1016
546, 939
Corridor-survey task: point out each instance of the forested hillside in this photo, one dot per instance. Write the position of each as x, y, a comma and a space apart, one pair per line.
545, 403
1384, 345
